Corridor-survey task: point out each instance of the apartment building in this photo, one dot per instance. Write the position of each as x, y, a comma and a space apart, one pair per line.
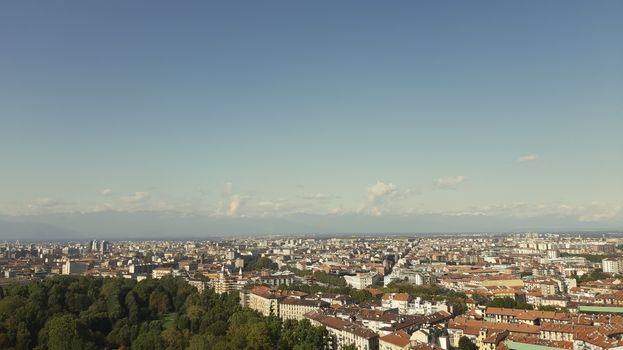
362, 280
343, 333
160, 272
611, 266
264, 300
295, 308
399, 340
532, 317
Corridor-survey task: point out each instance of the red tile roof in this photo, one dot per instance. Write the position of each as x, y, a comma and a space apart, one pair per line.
474, 326
399, 338
396, 296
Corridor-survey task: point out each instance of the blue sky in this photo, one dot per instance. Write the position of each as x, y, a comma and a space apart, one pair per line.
245, 109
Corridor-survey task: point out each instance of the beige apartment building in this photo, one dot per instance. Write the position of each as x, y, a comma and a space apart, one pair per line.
264, 301
295, 309
343, 333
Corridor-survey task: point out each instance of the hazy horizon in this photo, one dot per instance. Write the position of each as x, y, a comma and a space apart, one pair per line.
158, 225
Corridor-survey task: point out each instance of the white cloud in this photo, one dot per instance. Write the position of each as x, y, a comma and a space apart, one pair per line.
234, 205
318, 196
43, 202
36, 206
592, 212
231, 202
449, 182
596, 212
106, 192
381, 198
338, 211
528, 158
380, 190
378, 198
136, 197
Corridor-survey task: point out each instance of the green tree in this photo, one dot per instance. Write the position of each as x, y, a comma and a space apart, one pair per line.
200, 342
159, 303
595, 275
302, 335
259, 263
360, 296
505, 302
149, 340
330, 279
63, 333
91, 313
258, 337
466, 344
173, 339
23, 337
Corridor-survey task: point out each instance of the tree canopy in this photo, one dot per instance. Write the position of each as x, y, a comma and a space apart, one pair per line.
510, 303
466, 344
67, 312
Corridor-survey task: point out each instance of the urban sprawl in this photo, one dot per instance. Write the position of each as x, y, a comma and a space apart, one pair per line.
526, 291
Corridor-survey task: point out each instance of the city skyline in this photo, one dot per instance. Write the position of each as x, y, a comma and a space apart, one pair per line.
146, 119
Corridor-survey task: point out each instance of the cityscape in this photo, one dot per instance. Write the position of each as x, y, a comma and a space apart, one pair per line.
488, 291
311, 175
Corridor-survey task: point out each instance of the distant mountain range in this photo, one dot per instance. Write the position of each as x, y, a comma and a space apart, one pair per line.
158, 225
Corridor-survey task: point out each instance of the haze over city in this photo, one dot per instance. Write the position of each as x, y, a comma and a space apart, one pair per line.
142, 119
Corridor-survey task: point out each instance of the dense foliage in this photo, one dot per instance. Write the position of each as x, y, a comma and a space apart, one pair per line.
257, 263
431, 292
298, 272
595, 275
88, 313
357, 295
553, 308
321, 277
596, 258
480, 299
510, 303
466, 344
330, 279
